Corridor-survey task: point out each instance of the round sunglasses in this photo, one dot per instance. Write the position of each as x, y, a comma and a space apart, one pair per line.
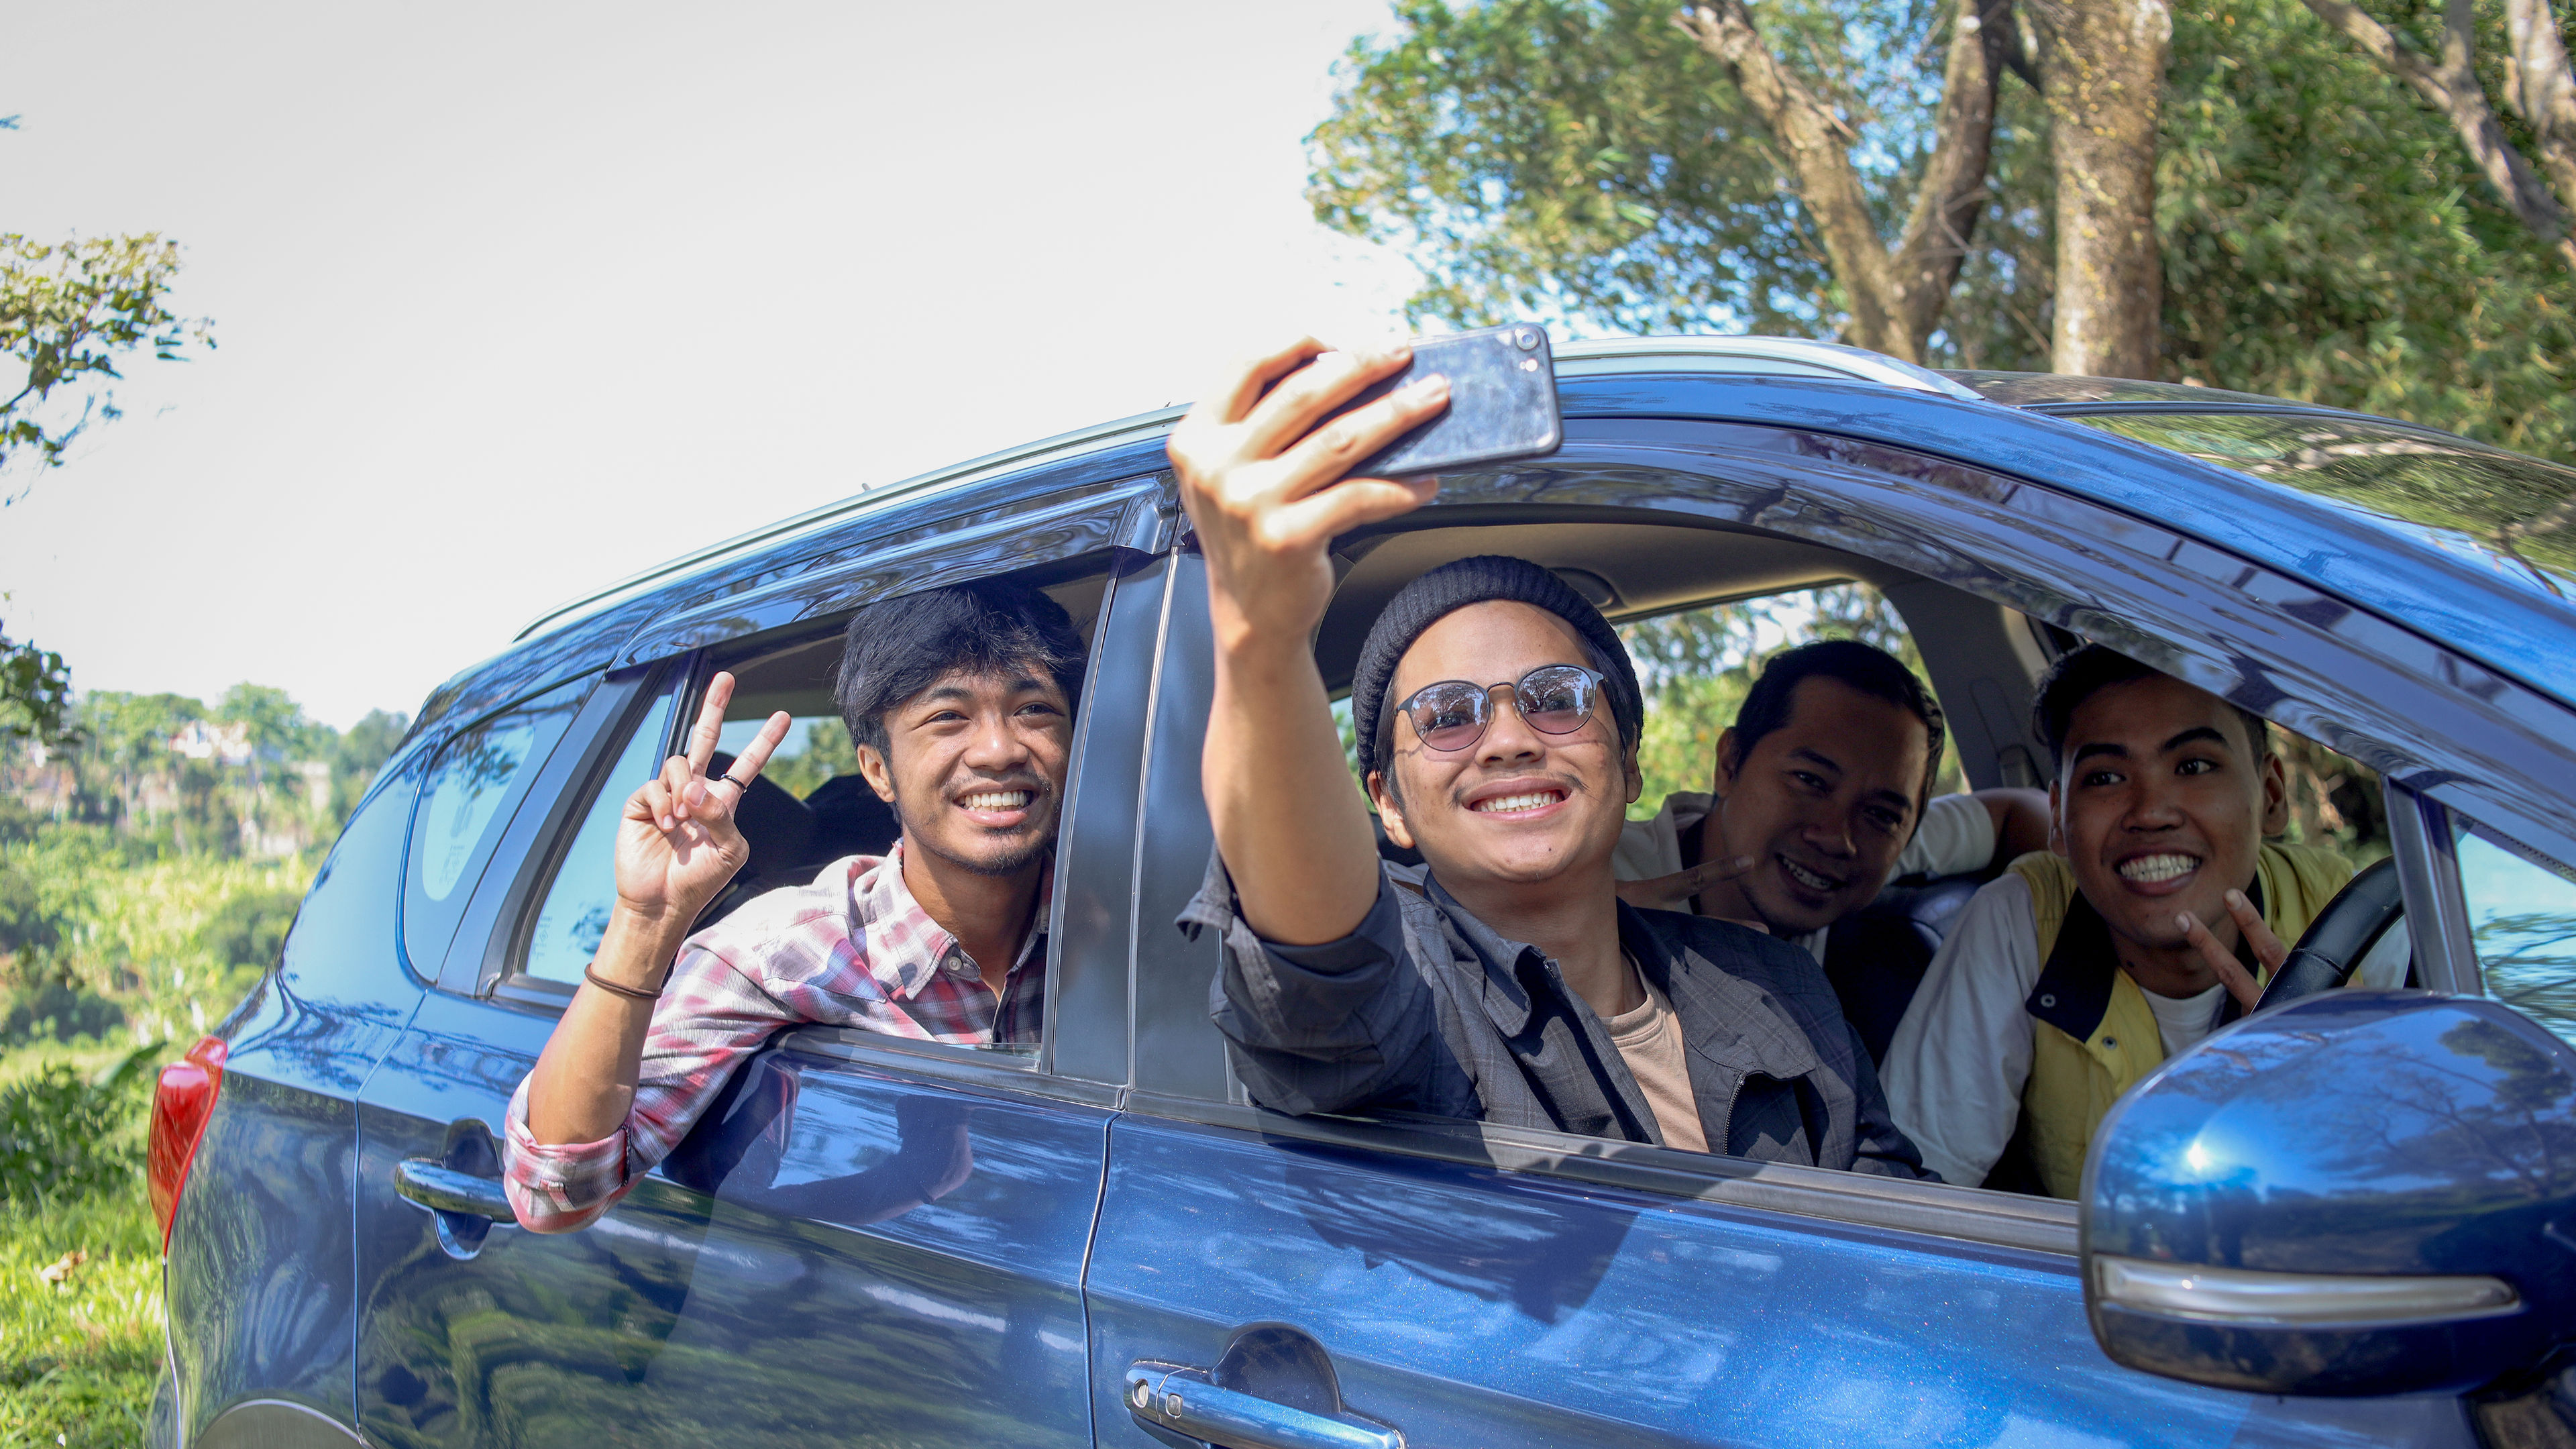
1452, 715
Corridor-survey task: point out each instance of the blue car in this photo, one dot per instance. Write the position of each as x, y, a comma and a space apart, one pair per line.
2349, 1218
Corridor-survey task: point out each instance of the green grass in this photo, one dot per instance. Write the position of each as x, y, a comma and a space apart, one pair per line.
78, 1359
78, 1356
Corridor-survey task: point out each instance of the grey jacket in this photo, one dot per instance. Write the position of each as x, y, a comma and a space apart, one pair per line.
1425, 1009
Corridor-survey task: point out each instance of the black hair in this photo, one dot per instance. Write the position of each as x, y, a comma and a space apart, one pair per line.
899, 647
2083, 673
1865, 667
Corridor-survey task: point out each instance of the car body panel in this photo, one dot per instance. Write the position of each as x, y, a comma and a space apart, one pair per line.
258, 1287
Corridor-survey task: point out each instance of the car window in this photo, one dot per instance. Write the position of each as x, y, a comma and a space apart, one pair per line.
2522, 919
464, 804
575, 915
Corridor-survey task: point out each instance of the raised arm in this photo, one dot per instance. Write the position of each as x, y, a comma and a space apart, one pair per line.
677, 846
1266, 492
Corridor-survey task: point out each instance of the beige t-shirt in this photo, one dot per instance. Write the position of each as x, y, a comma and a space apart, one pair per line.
1650, 1038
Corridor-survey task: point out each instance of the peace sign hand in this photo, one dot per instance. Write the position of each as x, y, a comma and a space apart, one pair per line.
677, 844
2269, 953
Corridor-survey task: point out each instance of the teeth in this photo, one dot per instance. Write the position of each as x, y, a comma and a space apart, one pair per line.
998, 800
2152, 868
1808, 878
1503, 803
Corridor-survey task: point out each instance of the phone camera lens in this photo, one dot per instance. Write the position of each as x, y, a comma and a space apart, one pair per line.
1527, 338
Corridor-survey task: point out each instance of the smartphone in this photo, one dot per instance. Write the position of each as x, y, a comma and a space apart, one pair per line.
1502, 403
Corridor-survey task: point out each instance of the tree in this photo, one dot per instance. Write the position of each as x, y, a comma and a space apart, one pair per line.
2539, 90
69, 312
2318, 235
1593, 160
1894, 295
2102, 71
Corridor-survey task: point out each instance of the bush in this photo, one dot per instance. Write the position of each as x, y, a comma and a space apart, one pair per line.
64, 1135
59, 1012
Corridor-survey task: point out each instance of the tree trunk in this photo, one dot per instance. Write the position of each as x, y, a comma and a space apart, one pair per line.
1895, 296
2102, 72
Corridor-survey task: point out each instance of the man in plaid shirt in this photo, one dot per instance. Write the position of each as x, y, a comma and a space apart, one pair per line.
960, 704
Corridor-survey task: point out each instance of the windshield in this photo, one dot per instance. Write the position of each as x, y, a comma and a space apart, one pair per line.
2513, 514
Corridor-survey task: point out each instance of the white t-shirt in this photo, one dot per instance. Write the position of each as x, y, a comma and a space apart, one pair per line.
1956, 1068
1957, 835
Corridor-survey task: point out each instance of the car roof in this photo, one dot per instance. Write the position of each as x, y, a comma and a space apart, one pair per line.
1988, 418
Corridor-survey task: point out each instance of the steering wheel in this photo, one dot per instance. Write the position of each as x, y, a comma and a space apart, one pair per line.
2341, 935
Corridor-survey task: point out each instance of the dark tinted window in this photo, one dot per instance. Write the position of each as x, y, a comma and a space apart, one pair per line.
2514, 514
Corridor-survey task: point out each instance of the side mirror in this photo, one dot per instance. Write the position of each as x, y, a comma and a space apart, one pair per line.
2362, 1192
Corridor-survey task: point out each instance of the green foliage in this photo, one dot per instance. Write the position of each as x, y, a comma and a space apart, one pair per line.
1543, 157
35, 694
64, 1134
68, 312
2327, 239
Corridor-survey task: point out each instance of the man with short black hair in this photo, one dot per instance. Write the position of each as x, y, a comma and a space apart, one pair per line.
959, 703
1821, 796
2155, 916
1498, 717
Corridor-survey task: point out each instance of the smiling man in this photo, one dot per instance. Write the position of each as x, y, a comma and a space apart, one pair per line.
959, 702
1498, 718
1823, 784
2154, 916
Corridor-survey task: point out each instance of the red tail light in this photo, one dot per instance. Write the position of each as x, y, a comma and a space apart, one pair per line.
181, 1103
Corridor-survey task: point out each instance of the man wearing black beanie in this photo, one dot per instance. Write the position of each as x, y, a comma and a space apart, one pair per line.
1498, 719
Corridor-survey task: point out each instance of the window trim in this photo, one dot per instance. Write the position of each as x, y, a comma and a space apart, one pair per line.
2428, 875
882, 1052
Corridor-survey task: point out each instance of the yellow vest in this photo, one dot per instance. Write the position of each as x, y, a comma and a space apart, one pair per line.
2093, 1035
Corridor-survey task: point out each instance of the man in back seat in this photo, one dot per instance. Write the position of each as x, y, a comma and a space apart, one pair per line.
960, 704
1821, 795
2152, 917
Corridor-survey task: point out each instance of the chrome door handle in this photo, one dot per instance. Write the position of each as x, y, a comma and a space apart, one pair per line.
436, 1186
1183, 1401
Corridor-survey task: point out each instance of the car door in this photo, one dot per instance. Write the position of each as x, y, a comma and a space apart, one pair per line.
862, 1238
1264, 1280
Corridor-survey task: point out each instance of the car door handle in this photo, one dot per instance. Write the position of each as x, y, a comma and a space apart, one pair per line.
1184, 1401
441, 1188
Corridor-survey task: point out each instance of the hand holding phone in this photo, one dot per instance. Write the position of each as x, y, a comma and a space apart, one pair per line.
1502, 403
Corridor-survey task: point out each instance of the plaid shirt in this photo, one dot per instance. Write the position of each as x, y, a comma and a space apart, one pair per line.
853, 949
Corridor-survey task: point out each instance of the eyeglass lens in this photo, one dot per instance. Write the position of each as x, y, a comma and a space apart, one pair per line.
1554, 699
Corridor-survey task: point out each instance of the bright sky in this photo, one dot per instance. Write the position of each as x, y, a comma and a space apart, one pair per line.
513, 301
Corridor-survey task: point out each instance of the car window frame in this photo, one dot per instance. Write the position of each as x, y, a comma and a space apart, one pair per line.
1113, 530
498, 969
1827, 489
526, 785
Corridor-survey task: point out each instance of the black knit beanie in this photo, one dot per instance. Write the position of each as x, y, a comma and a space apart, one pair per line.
1453, 586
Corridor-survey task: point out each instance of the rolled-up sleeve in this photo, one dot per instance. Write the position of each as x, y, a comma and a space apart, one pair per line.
712, 1014
1323, 1028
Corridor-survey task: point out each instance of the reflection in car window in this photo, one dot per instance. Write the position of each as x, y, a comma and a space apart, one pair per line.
2514, 514
473, 776
2522, 915
576, 911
